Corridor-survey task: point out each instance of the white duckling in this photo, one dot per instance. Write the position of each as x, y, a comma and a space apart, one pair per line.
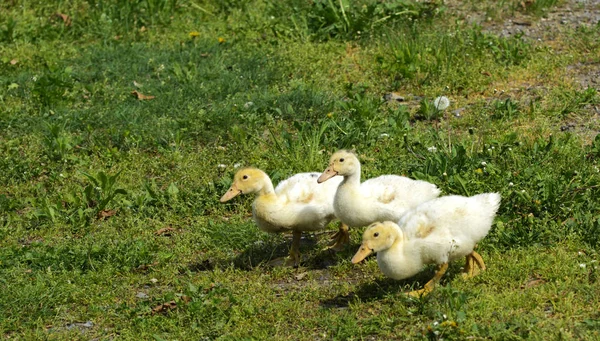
436, 232
297, 204
384, 198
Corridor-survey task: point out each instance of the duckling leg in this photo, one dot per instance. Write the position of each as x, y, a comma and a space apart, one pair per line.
469, 264
340, 238
295, 249
294, 257
471, 269
428, 287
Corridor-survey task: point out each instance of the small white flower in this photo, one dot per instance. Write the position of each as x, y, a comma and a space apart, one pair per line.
489, 150
384, 135
579, 253
441, 103
582, 265
435, 323
522, 191
61, 175
432, 149
444, 316
222, 166
153, 280
444, 174
237, 165
483, 163
510, 184
248, 104
510, 149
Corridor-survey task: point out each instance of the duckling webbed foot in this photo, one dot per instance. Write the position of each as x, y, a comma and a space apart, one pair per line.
474, 265
340, 238
294, 258
429, 286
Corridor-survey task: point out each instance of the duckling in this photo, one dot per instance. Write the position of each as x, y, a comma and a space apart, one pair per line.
436, 232
297, 204
386, 197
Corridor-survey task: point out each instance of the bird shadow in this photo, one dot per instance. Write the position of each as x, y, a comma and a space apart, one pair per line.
382, 288
261, 253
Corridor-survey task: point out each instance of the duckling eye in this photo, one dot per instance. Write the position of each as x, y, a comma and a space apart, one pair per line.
376, 234
245, 177
342, 160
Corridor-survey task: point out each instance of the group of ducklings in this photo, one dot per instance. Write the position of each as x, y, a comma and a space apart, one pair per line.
410, 226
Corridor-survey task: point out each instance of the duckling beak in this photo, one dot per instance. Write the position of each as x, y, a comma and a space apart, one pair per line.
231, 193
361, 254
327, 174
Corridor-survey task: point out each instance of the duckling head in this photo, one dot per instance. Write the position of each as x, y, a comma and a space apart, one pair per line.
342, 163
377, 237
245, 181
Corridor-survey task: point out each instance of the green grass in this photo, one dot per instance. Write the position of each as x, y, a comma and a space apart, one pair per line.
89, 173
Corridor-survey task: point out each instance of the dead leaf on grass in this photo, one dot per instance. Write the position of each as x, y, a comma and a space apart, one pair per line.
486, 73
165, 231
533, 282
106, 214
300, 276
65, 18
141, 96
162, 308
14, 61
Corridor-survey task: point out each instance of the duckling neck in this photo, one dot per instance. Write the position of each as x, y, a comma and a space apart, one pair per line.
351, 180
266, 190
399, 261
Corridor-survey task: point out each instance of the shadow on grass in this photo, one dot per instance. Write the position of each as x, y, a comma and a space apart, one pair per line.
260, 253
381, 288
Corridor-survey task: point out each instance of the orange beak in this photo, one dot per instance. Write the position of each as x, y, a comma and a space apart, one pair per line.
361, 254
327, 174
231, 193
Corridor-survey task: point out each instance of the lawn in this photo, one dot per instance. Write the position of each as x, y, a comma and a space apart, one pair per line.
123, 122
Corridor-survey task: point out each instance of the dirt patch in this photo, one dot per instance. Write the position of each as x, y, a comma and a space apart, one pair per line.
569, 16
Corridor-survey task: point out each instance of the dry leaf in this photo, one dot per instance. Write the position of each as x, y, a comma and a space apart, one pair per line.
161, 308
14, 61
300, 276
533, 283
186, 298
143, 29
106, 213
65, 18
165, 231
486, 73
141, 96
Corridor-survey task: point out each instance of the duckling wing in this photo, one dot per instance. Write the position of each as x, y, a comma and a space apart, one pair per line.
455, 221
303, 188
398, 192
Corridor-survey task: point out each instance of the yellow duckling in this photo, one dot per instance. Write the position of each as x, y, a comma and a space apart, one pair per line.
384, 198
297, 204
436, 232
